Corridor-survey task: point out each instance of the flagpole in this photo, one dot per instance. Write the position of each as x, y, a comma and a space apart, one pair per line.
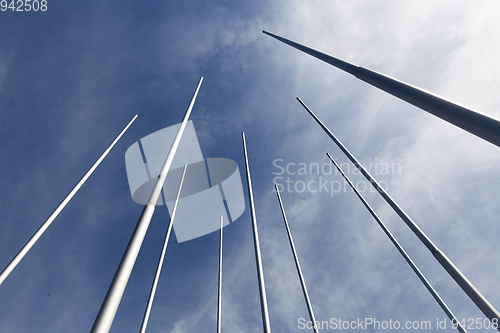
109, 306
219, 300
260, 271
481, 302
410, 262
297, 264
152, 293
20, 255
467, 119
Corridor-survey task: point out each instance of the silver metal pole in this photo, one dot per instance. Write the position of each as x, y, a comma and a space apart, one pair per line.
260, 271
467, 119
297, 264
410, 262
20, 255
109, 306
219, 305
481, 302
152, 293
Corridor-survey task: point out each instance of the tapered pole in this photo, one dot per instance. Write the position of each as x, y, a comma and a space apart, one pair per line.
481, 302
20, 255
467, 119
109, 306
219, 299
297, 264
260, 271
410, 262
152, 293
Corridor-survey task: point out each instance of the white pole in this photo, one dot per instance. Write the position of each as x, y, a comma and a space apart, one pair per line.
297, 264
481, 302
442, 304
20, 255
145, 319
472, 121
109, 306
260, 270
219, 305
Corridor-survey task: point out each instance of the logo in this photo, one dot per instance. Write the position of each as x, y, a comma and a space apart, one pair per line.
212, 187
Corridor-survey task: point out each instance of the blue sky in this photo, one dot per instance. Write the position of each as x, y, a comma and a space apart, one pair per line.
73, 76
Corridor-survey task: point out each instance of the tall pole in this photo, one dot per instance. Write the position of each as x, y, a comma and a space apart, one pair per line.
297, 264
260, 271
219, 299
20, 255
410, 262
467, 119
106, 315
481, 302
152, 293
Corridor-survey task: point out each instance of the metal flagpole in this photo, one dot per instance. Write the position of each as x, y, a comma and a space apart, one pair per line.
297, 264
106, 315
260, 271
481, 302
467, 119
145, 319
219, 305
410, 262
20, 255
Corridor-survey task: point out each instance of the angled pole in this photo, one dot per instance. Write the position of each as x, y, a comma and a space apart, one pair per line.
106, 315
20, 255
467, 119
260, 271
152, 293
442, 304
481, 302
219, 299
297, 264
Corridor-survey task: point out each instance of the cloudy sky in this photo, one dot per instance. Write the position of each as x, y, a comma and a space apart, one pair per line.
72, 77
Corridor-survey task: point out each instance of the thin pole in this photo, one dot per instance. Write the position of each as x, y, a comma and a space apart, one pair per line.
410, 262
20, 255
481, 302
467, 119
260, 271
152, 293
219, 305
297, 264
109, 306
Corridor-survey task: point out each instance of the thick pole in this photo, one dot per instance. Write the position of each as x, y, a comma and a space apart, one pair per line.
467, 119
219, 299
152, 293
297, 264
455, 322
20, 255
482, 303
260, 271
109, 306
